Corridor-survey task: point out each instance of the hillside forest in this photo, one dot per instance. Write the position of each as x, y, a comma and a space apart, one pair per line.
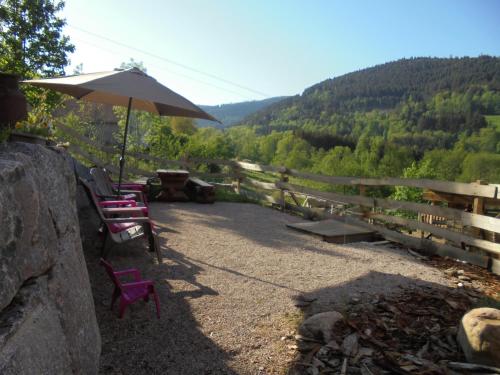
420, 118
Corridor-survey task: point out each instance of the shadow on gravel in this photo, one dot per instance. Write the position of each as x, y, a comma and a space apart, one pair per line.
253, 222
249, 277
363, 287
261, 225
140, 343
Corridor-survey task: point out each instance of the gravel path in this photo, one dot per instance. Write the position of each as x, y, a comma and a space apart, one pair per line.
229, 285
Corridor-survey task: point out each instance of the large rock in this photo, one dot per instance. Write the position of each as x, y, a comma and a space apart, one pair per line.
479, 336
47, 314
320, 326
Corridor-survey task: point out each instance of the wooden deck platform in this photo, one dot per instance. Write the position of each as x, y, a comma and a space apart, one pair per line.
335, 231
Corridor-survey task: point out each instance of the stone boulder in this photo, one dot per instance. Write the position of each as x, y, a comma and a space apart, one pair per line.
47, 311
479, 336
320, 326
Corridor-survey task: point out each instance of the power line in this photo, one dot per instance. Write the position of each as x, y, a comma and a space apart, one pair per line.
169, 61
168, 70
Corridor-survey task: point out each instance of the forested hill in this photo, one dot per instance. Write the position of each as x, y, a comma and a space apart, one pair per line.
230, 114
382, 87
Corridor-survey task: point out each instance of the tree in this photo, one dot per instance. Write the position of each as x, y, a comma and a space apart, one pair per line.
293, 152
133, 64
481, 166
31, 38
183, 125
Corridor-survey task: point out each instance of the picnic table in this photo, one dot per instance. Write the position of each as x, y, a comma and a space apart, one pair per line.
172, 184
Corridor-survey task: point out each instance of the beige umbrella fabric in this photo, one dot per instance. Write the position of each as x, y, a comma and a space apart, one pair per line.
131, 88
116, 87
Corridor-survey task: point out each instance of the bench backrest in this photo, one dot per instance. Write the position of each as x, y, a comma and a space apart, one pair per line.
103, 183
199, 182
91, 194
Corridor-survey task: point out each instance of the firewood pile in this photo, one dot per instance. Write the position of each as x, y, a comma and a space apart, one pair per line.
413, 332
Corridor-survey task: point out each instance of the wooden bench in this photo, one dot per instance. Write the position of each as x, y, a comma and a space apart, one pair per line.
200, 191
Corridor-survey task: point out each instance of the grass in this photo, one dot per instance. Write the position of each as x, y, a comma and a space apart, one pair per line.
493, 121
262, 176
226, 195
293, 319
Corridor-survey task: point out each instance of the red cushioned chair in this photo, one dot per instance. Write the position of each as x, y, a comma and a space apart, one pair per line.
130, 292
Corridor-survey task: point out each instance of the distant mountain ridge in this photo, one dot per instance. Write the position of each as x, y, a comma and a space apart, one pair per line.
232, 113
380, 87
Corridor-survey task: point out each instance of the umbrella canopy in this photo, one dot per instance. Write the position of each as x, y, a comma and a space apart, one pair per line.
131, 88
117, 87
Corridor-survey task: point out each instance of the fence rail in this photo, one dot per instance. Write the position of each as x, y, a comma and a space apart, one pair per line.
470, 235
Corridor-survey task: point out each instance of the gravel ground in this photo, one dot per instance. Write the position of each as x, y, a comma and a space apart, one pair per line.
229, 285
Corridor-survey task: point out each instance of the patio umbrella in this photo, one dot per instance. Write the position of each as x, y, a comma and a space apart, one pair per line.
131, 88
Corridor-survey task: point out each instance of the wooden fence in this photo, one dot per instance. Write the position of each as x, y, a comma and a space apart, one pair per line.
457, 220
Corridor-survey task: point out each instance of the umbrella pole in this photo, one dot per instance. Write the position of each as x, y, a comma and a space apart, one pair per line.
122, 157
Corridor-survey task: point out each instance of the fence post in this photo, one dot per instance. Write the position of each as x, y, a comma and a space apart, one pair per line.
478, 208
283, 178
238, 175
365, 209
185, 161
420, 218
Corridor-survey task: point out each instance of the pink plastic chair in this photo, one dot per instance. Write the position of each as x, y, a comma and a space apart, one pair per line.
130, 292
123, 221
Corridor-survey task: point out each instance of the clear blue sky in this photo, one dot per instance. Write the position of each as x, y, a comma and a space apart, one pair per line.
221, 51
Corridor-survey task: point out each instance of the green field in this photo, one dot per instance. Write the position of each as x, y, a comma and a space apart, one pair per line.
493, 121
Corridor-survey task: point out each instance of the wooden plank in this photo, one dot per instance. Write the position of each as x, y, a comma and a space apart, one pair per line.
79, 151
329, 228
294, 198
116, 171
76, 149
114, 151
210, 175
428, 247
230, 163
260, 184
458, 238
473, 189
139, 155
73, 133
495, 266
478, 208
334, 231
352, 199
256, 167
140, 172
304, 211
257, 196
466, 218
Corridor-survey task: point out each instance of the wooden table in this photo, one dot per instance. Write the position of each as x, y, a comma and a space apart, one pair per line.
172, 183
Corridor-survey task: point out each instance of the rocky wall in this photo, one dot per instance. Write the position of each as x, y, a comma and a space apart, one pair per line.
47, 316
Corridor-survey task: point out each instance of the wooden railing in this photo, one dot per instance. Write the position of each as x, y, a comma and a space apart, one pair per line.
461, 227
